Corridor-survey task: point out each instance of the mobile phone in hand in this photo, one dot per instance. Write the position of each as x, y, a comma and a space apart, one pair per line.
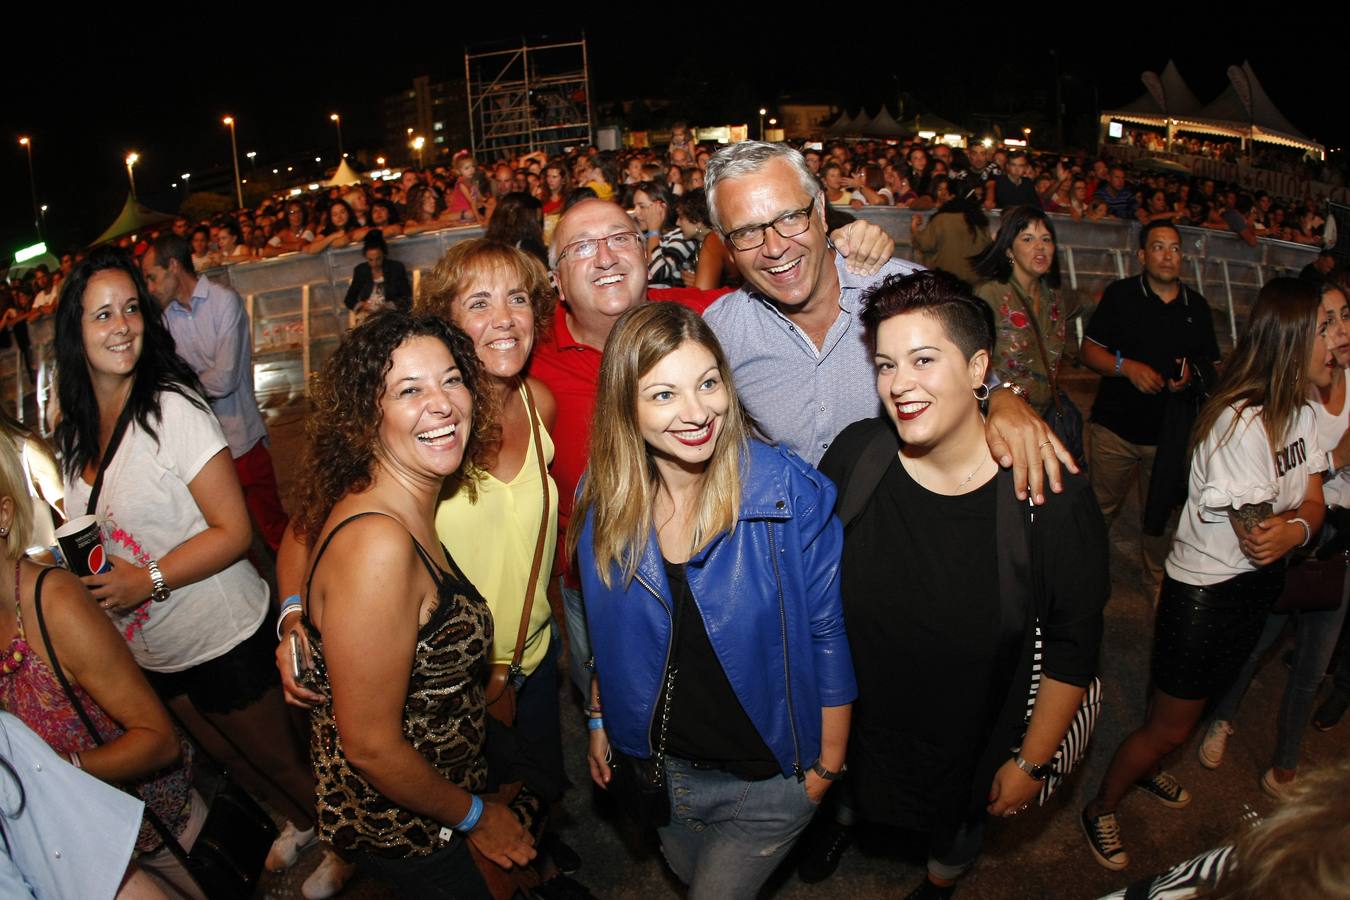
298, 667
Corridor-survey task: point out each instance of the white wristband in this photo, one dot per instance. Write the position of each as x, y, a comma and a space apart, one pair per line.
281, 619
1307, 530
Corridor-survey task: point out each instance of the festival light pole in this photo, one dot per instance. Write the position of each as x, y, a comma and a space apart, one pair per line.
337, 121
234, 152
418, 143
762, 113
132, 158
252, 159
27, 144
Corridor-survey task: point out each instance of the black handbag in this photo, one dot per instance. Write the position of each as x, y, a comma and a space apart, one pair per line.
640, 784
227, 858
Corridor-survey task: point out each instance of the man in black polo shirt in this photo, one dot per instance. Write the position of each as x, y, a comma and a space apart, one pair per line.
1143, 329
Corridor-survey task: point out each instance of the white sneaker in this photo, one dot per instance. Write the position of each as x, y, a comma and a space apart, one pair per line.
1273, 786
328, 878
1215, 743
287, 847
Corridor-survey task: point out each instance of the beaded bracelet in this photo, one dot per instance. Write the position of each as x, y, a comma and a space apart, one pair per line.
595, 723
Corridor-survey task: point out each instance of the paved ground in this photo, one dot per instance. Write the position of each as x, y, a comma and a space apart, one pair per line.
1041, 854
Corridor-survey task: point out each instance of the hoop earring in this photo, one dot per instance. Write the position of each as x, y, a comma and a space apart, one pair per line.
981, 397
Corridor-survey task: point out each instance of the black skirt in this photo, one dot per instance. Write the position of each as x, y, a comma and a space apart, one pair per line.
1203, 634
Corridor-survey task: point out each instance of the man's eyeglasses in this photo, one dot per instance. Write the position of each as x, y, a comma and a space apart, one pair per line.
788, 225
618, 242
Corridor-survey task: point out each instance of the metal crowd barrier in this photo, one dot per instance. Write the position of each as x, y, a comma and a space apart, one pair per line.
295, 301
1093, 254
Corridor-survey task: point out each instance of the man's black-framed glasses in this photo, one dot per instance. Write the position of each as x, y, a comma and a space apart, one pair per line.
618, 242
788, 225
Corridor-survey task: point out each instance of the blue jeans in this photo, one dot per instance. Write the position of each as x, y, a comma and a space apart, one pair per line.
953, 860
727, 835
579, 640
1315, 637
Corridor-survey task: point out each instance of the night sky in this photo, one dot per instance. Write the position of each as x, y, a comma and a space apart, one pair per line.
91, 90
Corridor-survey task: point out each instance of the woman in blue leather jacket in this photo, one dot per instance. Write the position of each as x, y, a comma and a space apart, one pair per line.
709, 563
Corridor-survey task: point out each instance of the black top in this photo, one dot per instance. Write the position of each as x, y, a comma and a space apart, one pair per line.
1133, 319
708, 725
921, 604
397, 287
1048, 565
1007, 194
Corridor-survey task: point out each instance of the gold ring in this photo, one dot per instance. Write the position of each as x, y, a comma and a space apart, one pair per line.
1044, 444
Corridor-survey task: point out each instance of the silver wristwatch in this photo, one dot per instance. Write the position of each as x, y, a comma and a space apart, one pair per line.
1040, 773
159, 592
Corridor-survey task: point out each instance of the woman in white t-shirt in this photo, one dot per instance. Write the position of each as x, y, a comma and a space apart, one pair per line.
175, 528
1315, 631
1255, 494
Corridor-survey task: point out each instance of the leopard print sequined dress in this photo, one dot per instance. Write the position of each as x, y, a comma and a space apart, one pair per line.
444, 719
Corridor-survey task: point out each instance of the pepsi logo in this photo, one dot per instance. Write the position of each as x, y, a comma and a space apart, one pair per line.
97, 559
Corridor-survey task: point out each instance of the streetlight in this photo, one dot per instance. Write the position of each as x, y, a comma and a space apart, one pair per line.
186, 187
234, 150
418, 143
27, 144
252, 159
132, 159
44, 214
337, 120
1026, 136
762, 113
379, 161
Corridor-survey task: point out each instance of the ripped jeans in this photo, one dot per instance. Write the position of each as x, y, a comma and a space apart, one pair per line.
727, 835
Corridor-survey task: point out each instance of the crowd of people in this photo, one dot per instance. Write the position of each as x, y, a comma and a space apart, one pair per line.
804, 527
1228, 150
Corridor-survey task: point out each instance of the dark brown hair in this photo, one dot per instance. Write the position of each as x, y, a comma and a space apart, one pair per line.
344, 421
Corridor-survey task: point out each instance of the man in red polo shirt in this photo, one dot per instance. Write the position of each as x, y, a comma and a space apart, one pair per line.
599, 263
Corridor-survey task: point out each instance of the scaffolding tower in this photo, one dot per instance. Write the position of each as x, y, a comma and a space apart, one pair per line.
532, 96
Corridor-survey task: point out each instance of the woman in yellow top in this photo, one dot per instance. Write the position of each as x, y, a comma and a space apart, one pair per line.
501, 298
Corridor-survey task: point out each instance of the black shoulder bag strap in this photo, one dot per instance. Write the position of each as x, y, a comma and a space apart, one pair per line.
874, 459
119, 430
161, 829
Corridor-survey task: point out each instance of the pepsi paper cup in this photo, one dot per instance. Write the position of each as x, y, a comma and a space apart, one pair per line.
81, 543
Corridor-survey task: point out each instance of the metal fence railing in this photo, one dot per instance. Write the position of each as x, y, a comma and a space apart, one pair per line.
295, 301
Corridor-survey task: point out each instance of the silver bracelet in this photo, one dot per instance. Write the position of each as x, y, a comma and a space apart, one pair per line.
1307, 530
281, 619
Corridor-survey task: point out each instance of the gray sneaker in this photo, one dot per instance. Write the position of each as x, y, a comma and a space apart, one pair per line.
1215, 743
1165, 789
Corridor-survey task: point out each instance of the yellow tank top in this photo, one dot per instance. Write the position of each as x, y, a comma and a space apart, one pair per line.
493, 543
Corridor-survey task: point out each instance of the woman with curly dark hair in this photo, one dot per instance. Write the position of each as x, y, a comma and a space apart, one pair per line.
399, 638
142, 451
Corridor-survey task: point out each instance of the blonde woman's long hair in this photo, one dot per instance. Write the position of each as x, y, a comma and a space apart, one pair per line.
1269, 365
622, 480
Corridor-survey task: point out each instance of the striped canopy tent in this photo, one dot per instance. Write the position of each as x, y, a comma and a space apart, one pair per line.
1166, 100
1243, 111
133, 218
1247, 108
